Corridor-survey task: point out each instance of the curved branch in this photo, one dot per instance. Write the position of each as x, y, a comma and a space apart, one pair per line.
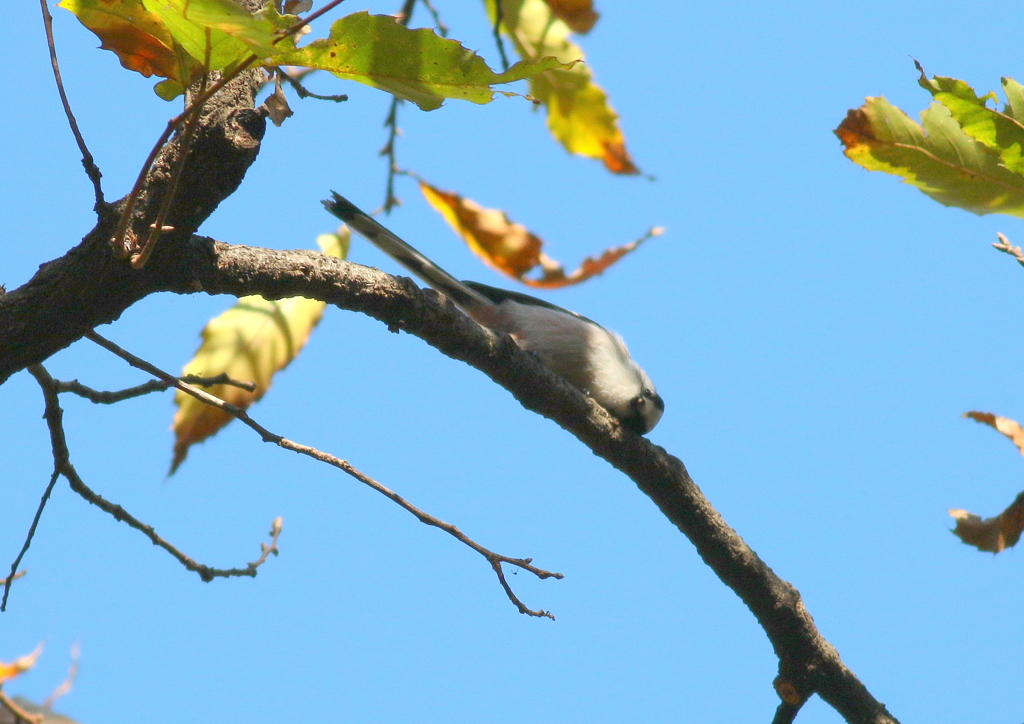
808, 663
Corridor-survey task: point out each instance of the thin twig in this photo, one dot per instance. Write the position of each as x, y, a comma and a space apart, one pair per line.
91, 170
304, 92
1005, 246
101, 397
62, 463
391, 123
28, 537
121, 246
495, 559
499, 17
65, 687
53, 416
442, 29
184, 145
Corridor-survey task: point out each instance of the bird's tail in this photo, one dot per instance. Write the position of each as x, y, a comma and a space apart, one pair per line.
429, 272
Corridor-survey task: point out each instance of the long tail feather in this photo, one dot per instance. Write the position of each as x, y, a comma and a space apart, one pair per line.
406, 255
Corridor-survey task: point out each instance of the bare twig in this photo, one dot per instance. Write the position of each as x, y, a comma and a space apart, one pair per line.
101, 397
442, 29
39, 373
65, 687
124, 247
304, 92
158, 226
91, 170
391, 123
62, 465
1005, 246
495, 559
266, 550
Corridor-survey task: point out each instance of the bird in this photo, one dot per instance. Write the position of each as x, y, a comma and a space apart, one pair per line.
591, 358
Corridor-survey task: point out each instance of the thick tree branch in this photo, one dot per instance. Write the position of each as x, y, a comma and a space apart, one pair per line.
89, 286
808, 663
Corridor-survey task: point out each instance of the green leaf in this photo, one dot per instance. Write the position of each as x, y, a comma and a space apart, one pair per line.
938, 157
415, 65
221, 30
1000, 132
1015, 95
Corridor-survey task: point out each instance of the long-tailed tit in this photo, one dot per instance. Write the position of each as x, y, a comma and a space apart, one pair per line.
588, 356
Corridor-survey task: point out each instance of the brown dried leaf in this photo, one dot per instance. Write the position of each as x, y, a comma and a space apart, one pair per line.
138, 37
511, 248
1005, 425
277, 105
991, 534
579, 15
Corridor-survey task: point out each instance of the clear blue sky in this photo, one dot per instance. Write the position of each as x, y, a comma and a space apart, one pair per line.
815, 330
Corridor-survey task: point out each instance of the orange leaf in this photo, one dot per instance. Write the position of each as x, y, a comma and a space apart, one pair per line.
991, 534
138, 37
1005, 425
18, 666
511, 248
617, 159
506, 246
579, 15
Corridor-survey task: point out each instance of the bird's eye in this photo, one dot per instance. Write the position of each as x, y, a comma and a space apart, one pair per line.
638, 402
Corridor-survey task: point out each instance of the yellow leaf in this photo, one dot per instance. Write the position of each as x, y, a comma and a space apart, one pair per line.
250, 342
1005, 425
991, 534
18, 666
580, 116
511, 248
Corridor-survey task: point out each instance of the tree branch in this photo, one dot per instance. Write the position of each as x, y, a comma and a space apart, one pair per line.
91, 170
89, 286
54, 416
103, 397
495, 559
807, 661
